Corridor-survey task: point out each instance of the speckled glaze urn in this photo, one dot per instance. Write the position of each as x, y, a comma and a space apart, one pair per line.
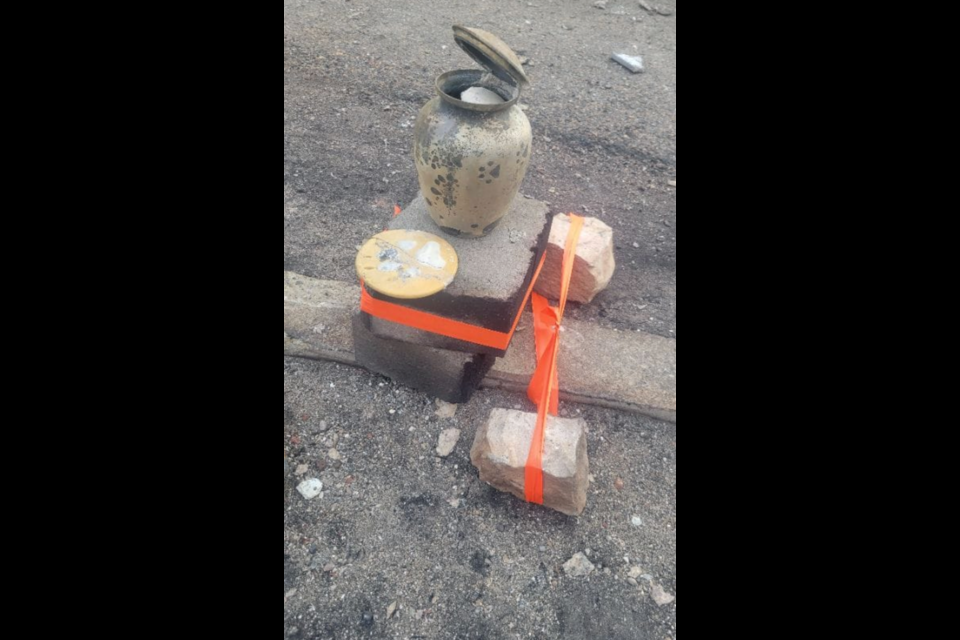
471, 158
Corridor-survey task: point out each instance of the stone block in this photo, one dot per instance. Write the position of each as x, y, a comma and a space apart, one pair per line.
494, 274
594, 264
452, 376
502, 444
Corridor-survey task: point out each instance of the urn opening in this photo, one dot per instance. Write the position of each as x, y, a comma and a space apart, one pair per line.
451, 84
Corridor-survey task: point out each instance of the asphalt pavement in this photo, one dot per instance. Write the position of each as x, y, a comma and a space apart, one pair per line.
396, 524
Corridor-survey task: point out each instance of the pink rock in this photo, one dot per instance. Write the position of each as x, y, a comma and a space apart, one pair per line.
594, 264
500, 451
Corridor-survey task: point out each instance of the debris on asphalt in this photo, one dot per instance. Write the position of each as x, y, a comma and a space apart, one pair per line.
600, 4
646, 5
664, 11
660, 596
445, 409
633, 63
633, 582
310, 488
618, 484
635, 572
333, 454
300, 470
672, 183
391, 609
636, 521
447, 441
578, 566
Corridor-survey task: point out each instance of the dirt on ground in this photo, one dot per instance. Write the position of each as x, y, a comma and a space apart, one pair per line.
396, 524
461, 560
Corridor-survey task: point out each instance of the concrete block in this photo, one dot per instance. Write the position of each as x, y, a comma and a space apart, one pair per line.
502, 444
593, 267
452, 376
495, 273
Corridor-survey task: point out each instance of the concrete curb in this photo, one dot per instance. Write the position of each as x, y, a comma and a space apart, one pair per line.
629, 371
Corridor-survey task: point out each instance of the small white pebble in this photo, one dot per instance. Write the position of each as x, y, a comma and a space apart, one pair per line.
480, 95
310, 489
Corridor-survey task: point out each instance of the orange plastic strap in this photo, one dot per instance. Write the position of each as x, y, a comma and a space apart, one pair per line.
545, 328
543, 388
440, 325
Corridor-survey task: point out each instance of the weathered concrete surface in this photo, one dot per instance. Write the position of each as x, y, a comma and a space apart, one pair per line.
630, 371
452, 376
496, 266
502, 444
593, 267
625, 368
316, 318
494, 273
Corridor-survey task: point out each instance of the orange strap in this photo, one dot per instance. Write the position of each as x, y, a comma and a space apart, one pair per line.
544, 324
543, 386
440, 325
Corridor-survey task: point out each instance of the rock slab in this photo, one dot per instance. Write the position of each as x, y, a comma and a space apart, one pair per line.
493, 277
592, 268
502, 444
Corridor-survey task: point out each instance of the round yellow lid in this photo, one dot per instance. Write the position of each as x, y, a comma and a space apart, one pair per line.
407, 264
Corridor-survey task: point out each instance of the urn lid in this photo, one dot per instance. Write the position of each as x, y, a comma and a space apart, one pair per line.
492, 53
407, 264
